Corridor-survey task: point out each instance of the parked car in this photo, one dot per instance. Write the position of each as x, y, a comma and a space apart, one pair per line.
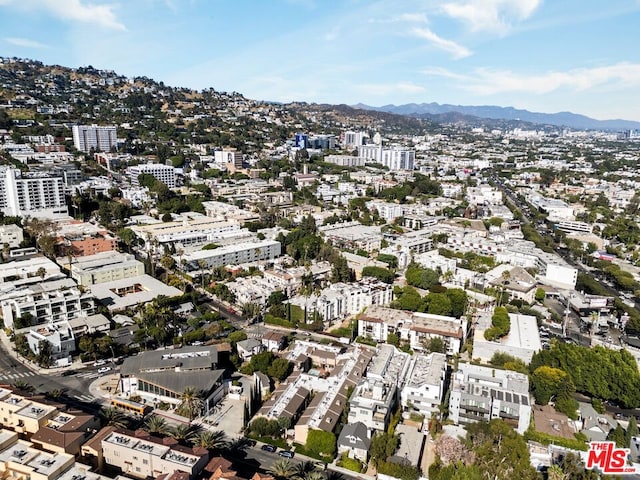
100, 363
104, 369
269, 448
286, 453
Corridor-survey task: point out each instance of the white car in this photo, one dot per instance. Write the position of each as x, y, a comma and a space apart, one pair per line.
104, 369
99, 363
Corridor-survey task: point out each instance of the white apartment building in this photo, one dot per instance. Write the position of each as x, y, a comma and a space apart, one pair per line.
31, 270
394, 158
423, 388
245, 252
54, 300
59, 335
345, 160
192, 230
416, 328
148, 457
11, 235
231, 159
484, 195
39, 196
484, 393
164, 173
86, 137
105, 267
522, 341
354, 139
372, 403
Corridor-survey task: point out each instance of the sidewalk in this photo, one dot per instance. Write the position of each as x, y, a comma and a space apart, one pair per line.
8, 346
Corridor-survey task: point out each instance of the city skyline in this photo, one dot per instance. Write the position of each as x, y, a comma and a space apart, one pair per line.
537, 55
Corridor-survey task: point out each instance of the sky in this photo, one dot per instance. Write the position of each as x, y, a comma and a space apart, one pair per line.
541, 55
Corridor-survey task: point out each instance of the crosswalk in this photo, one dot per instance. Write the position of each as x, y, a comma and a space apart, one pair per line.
17, 375
88, 375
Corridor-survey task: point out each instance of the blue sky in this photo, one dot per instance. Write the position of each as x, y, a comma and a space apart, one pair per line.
542, 55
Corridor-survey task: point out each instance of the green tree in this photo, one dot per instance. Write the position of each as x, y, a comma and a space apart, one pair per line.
237, 336
439, 304
112, 417
280, 369
420, 277
282, 469
44, 355
540, 295
211, 440
383, 445
393, 339
500, 324
157, 425
191, 403
383, 274
458, 299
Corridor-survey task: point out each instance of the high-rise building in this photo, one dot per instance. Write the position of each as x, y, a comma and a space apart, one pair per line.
354, 139
102, 138
231, 159
394, 158
165, 173
38, 196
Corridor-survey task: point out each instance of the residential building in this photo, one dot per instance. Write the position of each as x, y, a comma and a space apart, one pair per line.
372, 403
354, 439
163, 173
83, 238
394, 158
249, 347
142, 455
28, 270
66, 432
105, 267
11, 235
484, 393
345, 160
416, 328
23, 415
352, 139
273, 341
18, 459
59, 335
87, 137
423, 387
128, 292
231, 159
245, 252
36, 195
353, 235
49, 301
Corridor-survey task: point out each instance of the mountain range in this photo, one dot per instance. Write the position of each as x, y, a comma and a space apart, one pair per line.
560, 119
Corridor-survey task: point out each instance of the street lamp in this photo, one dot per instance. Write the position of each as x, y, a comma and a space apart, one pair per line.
113, 356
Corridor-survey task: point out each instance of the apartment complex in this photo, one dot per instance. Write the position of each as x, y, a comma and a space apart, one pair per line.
423, 388
51, 301
32, 195
144, 456
245, 252
11, 235
87, 137
59, 335
105, 267
164, 173
394, 158
483, 393
416, 328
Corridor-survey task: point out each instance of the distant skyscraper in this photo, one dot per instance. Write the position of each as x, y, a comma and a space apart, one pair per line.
102, 138
354, 139
34, 196
302, 140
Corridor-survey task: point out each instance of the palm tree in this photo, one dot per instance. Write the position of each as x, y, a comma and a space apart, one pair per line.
555, 473
156, 424
303, 469
184, 433
24, 386
315, 475
190, 403
113, 417
212, 440
281, 469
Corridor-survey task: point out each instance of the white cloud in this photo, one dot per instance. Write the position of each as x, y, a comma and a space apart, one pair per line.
25, 42
455, 49
491, 82
74, 11
412, 18
491, 15
382, 89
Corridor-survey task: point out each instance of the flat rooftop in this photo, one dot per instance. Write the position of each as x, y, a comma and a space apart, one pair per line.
128, 292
